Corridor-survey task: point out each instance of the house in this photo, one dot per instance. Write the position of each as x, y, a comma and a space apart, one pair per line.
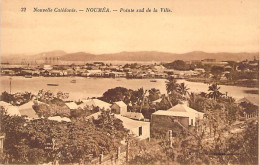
140, 129
55, 73
252, 100
59, 119
47, 67
159, 68
95, 103
199, 70
117, 74
134, 115
95, 72
228, 68
179, 116
10, 109
2, 137
71, 105
27, 110
192, 113
157, 101
119, 107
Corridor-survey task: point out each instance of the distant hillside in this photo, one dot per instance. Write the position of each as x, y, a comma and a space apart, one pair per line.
133, 56
56, 53
79, 56
19, 58
157, 56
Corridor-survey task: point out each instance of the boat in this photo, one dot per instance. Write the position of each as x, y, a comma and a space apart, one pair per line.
153, 80
53, 84
28, 76
73, 81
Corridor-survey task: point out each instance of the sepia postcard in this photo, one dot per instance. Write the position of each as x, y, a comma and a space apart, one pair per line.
136, 82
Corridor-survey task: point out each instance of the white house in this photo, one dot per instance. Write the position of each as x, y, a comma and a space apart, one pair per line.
72, 105
10, 109
140, 129
27, 110
95, 103
134, 115
59, 119
119, 107
184, 110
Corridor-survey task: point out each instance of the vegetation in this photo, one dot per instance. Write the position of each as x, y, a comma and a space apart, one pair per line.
178, 65
220, 138
214, 92
43, 141
219, 145
17, 98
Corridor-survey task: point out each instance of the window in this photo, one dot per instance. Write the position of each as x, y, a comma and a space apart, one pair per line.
140, 131
191, 121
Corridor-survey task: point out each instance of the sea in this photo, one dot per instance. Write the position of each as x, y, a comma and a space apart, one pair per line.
85, 87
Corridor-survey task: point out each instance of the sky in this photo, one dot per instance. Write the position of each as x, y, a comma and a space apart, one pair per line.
197, 25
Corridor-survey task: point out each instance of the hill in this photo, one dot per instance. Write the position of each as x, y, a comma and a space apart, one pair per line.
132, 56
157, 56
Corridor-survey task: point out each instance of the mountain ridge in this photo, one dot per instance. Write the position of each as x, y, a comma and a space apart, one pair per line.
139, 56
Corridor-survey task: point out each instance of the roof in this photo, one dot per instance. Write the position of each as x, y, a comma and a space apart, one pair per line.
27, 110
10, 109
181, 110
171, 113
94, 115
134, 115
95, 103
252, 100
129, 123
120, 104
94, 71
157, 101
4, 104
59, 119
72, 105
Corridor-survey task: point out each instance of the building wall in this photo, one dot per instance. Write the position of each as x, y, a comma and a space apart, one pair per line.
1, 143
160, 125
115, 109
145, 131
118, 110
123, 110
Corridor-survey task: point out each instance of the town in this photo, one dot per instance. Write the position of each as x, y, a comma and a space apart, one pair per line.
243, 73
126, 126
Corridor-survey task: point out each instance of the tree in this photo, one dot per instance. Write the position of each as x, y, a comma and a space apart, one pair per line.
233, 76
62, 96
178, 65
183, 89
249, 108
17, 98
197, 102
214, 91
71, 142
171, 85
217, 72
45, 96
154, 94
117, 94
137, 96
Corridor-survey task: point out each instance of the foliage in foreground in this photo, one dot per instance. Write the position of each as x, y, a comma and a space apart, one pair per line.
220, 147
71, 142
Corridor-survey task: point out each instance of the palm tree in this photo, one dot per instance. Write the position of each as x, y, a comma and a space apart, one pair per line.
214, 91
182, 89
171, 86
154, 94
143, 98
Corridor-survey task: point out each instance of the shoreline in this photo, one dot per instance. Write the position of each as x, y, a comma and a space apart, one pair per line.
228, 83
255, 84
